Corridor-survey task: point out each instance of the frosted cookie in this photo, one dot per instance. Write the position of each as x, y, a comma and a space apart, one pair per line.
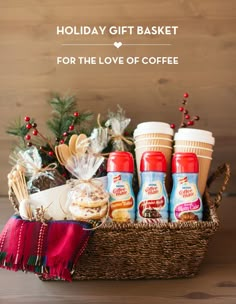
95, 199
88, 213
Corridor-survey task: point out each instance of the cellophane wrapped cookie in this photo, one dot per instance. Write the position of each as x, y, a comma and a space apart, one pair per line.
39, 178
88, 199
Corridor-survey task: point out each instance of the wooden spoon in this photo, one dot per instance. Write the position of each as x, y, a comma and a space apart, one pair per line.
58, 155
64, 153
72, 144
82, 144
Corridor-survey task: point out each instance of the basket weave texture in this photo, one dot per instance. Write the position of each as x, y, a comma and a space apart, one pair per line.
151, 251
144, 251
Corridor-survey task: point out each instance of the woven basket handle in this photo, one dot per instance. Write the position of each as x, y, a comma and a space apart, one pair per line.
224, 169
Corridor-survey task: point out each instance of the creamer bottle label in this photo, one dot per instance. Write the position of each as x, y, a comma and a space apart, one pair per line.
152, 202
188, 205
121, 199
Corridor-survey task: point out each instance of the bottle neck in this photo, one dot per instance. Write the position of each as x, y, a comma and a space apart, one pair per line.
183, 177
116, 174
152, 175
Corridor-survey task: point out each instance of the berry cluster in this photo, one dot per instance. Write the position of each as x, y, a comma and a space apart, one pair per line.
71, 128
33, 126
186, 120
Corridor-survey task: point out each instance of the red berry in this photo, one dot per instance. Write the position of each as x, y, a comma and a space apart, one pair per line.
62, 141
65, 134
187, 116
76, 114
71, 127
172, 126
27, 118
28, 126
35, 132
186, 95
181, 109
50, 153
27, 137
64, 174
190, 123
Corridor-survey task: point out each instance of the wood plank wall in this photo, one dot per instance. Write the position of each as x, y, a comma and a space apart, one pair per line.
205, 44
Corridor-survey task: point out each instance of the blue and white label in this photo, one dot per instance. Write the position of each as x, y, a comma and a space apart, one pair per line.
152, 202
185, 200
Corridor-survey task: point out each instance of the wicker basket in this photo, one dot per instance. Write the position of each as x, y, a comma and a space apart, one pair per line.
143, 251
157, 251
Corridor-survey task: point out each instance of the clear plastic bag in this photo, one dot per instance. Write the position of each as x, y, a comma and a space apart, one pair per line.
117, 123
87, 199
39, 178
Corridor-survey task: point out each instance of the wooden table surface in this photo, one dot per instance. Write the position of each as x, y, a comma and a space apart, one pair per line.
215, 283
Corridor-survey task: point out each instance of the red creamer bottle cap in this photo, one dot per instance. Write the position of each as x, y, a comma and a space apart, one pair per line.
183, 162
153, 161
120, 162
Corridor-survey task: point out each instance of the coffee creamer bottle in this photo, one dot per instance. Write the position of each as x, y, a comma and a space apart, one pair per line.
152, 200
185, 199
120, 168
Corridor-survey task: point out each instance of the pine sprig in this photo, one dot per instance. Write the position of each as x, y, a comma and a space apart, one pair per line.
61, 114
62, 105
63, 117
17, 128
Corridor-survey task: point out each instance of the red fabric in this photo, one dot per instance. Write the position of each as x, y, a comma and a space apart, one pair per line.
50, 250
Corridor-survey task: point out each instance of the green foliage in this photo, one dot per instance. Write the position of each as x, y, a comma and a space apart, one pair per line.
17, 128
63, 116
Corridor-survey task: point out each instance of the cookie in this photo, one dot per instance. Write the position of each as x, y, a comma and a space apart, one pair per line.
94, 199
88, 213
95, 202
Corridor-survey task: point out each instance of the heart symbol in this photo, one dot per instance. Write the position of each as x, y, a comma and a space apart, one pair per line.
117, 44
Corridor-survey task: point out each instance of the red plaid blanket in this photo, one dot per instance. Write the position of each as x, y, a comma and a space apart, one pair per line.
51, 250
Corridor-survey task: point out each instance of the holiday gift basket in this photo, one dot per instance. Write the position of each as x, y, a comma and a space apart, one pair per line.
151, 251
83, 211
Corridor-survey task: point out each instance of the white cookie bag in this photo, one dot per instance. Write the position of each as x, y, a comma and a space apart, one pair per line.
87, 199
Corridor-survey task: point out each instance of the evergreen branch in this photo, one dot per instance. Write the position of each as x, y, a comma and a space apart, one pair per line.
16, 128
85, 116
62, 115
62, 105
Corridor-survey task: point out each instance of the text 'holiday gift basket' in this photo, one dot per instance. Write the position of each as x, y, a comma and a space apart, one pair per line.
85, 211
